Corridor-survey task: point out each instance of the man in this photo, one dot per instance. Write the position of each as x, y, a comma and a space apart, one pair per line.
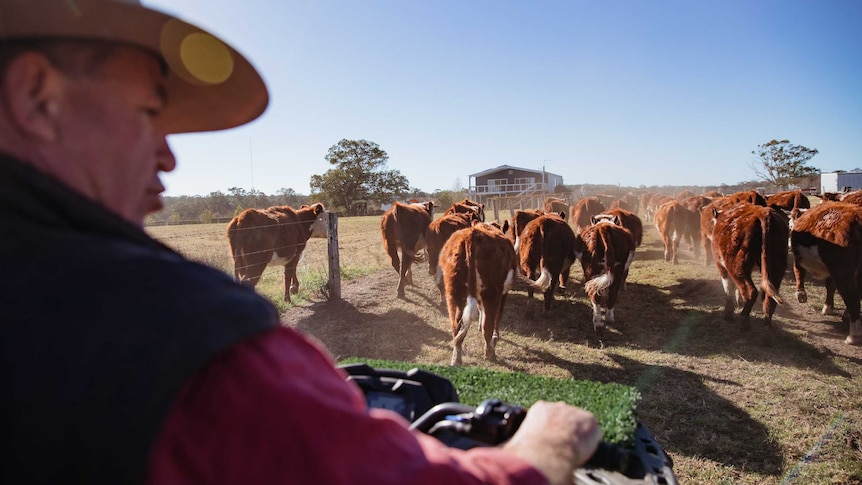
122, 362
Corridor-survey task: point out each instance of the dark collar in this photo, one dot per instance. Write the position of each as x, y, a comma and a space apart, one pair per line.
31, 195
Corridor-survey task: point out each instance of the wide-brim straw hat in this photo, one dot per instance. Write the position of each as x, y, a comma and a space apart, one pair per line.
210, 85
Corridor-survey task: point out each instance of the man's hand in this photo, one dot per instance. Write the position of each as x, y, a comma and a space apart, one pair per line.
556, 438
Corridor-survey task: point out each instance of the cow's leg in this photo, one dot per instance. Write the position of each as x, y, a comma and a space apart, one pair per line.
675, 246
749, 293
613, 292
460, 318
291, 282
490, 318
598, 324
406, 263
729, 292
707, 249
549, 293
666, 240
438, 278
846, 284
829, 303
799, 274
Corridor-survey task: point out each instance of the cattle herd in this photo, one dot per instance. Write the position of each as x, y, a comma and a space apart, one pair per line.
476, 263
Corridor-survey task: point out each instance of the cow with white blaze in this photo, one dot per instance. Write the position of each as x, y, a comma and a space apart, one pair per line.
606, 252
826, 241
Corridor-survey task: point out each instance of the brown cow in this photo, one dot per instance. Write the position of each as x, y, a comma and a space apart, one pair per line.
623, 218
555, 204
546, 254
467, 205
606, 252
644, 201
790, 201
403, 226
673, 222
854, 197
582, 210
707, 223
685, 194
654, 202
746, 236
275, 236
827, 242
439, 231
713, 194
695, 205
750, 196
519, 222
621, 204
478, 267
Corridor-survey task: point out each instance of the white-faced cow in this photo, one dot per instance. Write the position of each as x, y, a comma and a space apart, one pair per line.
546, 254
826, 241
606, 252
622, 217
478, 267
275, 236
403, 227
746, 236
583, 210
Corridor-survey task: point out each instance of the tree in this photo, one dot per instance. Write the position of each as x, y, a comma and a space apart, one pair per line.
359, 175
783, 164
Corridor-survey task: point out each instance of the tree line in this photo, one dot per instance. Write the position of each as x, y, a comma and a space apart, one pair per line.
359, 183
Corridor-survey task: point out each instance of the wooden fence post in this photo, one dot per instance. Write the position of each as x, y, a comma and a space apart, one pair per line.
334, 282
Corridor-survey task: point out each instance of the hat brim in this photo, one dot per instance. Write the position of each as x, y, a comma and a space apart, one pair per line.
210, 86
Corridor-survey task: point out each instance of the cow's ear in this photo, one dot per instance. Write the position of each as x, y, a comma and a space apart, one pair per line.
505, 226
617, 221
715, 212
318, 208
593, 220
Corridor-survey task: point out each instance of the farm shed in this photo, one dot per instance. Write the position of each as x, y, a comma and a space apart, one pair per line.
841, 181
509, 181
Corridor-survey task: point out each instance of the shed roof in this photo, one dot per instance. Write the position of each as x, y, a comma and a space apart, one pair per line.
507, 167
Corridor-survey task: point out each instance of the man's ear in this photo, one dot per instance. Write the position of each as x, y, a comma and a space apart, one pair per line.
32, 88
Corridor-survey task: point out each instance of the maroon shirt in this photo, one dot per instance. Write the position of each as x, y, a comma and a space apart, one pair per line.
274, 409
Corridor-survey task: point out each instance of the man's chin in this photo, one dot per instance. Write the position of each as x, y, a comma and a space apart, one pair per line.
154, 204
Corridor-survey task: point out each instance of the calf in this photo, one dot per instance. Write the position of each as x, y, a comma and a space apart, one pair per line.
546, 254
478, 268
695, 205
644, 202
606, 252
582, 210
750, 196
654, 202
827, 241
746, 236
403, 226
707, 223
275, 236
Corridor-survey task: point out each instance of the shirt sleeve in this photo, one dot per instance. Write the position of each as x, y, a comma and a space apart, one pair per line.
274, 409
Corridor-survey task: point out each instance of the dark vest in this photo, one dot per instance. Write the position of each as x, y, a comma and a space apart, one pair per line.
100, 327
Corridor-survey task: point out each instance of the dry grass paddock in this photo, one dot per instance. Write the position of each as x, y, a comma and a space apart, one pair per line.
777, 405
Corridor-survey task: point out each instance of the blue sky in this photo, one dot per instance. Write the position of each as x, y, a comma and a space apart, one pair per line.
603, 92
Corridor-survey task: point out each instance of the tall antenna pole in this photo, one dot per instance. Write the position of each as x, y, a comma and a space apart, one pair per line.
251, 162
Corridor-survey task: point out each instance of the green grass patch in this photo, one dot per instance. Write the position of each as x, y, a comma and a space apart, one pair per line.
614, 405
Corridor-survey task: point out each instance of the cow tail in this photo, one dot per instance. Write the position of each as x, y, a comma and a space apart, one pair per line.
535, 253
599, 284
471, 308
389, 241
769, 290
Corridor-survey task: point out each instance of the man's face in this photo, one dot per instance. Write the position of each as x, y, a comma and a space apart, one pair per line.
109, 133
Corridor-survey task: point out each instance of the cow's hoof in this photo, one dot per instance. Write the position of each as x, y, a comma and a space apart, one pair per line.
828, 310
294, 290
802, 297
853, 340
